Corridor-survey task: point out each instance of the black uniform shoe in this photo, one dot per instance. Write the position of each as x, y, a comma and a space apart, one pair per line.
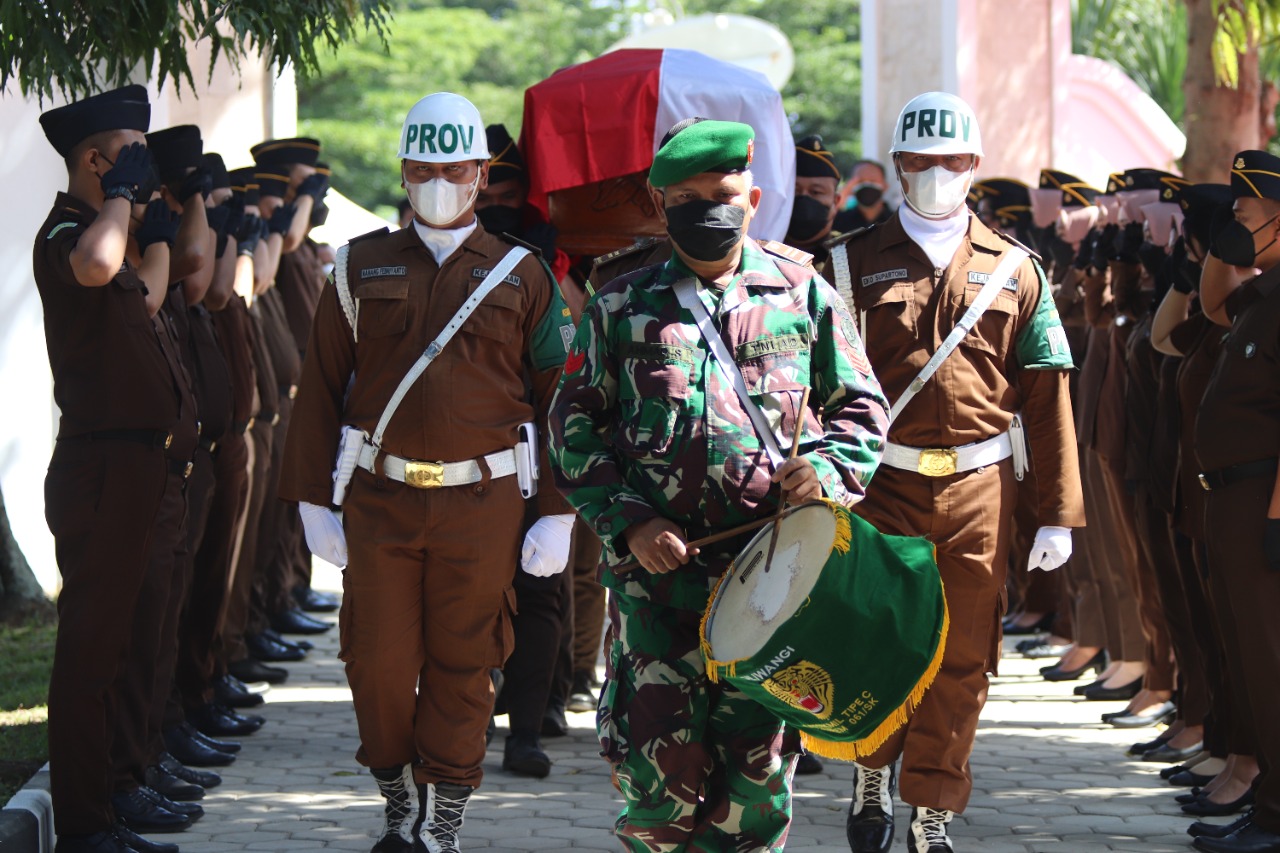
1056, 673
230, 747
192, 811
1171, 754
1044, 623
523, 756
251, 670
807, 763
143, 845
230, 691
266, 649
315, 602
1162, 713
215, 720
294, 621
1123, 693
136, 811
1205, 807
1200, 829
187, 749
580, 696
554, 723
178, 790
1185, 778
928, 833
1249, 838
98, 842
204, 778
276, 637
869, 826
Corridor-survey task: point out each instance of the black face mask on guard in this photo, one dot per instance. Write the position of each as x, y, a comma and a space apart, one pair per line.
706, 230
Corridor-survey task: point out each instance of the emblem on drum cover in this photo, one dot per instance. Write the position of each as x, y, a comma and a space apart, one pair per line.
804, 685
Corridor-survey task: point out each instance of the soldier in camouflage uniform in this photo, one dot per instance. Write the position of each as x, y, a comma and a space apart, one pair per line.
654, 448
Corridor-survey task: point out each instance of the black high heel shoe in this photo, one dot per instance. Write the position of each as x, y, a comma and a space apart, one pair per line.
1056, 673
1204, 807
1124, 692
1044, 623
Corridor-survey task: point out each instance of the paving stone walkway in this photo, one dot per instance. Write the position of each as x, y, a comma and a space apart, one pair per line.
1048, 777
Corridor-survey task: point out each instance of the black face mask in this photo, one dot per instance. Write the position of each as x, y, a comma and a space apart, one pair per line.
1152, 257
868, 195
1233, 244
500, 219
706, 230
808, 217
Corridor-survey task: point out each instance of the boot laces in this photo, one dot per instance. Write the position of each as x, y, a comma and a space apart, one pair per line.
932, 825
444, 814
400, 812
872, 788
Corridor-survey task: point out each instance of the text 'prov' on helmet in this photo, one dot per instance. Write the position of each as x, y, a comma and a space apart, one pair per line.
443, 128
937, 123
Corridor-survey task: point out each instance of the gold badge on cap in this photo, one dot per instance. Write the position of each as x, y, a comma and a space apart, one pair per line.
1239, 162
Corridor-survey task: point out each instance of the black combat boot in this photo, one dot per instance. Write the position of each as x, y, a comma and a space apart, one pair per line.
929, 831
869, 826
402, 812
442, 806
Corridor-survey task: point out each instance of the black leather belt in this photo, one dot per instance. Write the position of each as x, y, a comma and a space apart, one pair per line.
158, 439
1223, 477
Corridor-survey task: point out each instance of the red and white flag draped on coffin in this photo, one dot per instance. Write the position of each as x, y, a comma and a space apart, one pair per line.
604, 118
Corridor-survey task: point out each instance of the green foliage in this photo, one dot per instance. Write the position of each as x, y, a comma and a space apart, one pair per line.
1146, 38
492, 50
81, 46
26, 661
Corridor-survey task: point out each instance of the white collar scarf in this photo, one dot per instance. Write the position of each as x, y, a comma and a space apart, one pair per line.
938, 237
442, 242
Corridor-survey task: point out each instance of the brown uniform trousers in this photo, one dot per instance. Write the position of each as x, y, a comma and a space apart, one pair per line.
122, 398
1238, 424
427, 599
906, 308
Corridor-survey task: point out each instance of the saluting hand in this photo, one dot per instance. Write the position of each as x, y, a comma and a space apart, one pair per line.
799, 480
159, 225
659, 545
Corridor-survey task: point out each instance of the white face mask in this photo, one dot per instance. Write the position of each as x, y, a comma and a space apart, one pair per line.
439, 202
936, 193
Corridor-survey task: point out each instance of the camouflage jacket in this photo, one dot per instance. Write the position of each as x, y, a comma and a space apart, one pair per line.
644, 425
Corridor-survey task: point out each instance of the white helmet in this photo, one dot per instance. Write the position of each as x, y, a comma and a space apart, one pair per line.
937, 123
443, 128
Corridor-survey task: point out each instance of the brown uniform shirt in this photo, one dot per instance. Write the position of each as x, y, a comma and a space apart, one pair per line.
468, 403
906, 308
111, 367
1239, 419
231, 325
299, 281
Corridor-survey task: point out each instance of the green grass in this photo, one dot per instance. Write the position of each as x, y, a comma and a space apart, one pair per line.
26, 658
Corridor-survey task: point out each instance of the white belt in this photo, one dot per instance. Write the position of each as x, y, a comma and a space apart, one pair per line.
435, 475
945, 461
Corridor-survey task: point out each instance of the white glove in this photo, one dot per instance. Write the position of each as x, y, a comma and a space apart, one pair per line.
546, 546
324, 533
1051, 549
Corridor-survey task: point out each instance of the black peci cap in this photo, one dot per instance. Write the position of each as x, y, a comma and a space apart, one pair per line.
176, 149
126, 108
506, 163
1010, 199
218, 169
1256, 174
286, 152
1075, 192
1139, 179
815, 161
244, 183
271, 182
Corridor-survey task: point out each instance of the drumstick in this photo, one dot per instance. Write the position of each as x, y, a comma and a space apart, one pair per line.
795, 448
718, 537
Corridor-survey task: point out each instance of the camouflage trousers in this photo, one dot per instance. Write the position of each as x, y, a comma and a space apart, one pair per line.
701, 767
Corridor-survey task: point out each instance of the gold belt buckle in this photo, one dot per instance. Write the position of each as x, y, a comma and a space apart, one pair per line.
1204, 482
424, 475
937, 461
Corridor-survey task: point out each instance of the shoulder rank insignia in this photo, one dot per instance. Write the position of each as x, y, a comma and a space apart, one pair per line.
790, 253
378, 233
1019, 244
516, 241
642, 243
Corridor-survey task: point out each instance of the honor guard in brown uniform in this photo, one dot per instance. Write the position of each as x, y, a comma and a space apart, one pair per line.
930, 278
432, 361
1237, 442
126, 435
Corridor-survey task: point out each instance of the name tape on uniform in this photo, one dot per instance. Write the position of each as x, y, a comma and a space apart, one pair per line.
983, 277
383, 272
439, 138
887, 275
512, 279
948, 124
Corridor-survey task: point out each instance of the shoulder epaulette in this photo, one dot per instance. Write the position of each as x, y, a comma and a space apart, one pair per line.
790, 253
516, 241
378, 233
1019, 244
642, 243
846, 237
636, 274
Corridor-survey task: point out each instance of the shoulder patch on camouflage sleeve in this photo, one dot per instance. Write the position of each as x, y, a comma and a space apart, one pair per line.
789, 253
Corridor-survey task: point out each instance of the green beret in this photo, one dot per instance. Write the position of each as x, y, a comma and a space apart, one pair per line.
707, 146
